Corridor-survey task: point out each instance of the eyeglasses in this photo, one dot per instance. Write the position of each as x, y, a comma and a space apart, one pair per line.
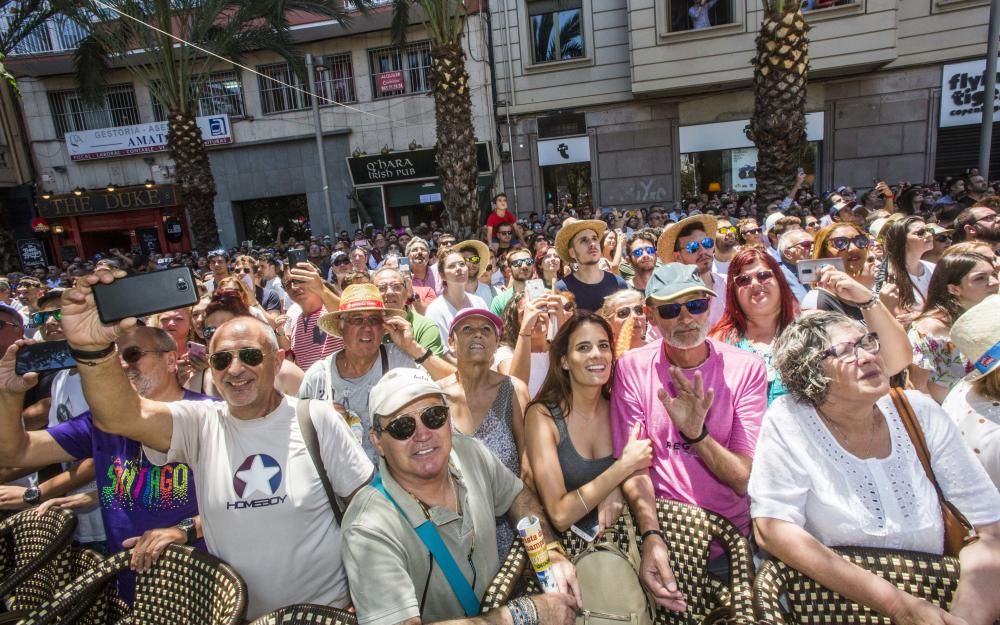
40, 317
293, 283
250, 356
842, 243
371, 321
391, 287
522, 262
746, 279
806, 245
848, 352
623, 313
727, 230
405, 425
693, 246
751, 231
643, 251
134, 354
208, 332
919, 232
672, 311
472, 259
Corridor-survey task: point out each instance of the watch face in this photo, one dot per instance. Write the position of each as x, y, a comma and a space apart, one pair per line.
32, 495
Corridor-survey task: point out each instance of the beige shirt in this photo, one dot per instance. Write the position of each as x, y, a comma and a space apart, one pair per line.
387, 563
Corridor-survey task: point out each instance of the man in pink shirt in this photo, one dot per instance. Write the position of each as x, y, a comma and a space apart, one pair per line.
700, 402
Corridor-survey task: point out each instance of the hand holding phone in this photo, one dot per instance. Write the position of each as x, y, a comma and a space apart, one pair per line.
296, 256
196, 350
143, 294
44, 356
534, 288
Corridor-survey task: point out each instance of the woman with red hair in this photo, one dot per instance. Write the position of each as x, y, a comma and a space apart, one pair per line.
759, 305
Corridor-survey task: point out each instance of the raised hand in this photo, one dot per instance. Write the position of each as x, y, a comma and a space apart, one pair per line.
687, 409
83, 328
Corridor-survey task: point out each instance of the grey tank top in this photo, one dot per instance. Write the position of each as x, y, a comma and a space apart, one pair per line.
576, 469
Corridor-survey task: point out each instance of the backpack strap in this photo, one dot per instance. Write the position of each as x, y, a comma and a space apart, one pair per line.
385, 358
308, 429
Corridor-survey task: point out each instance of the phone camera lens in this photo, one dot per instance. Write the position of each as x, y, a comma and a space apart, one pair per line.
181, 284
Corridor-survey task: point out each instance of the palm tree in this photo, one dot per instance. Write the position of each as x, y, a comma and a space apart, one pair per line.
778, 124
175, 73
456, 138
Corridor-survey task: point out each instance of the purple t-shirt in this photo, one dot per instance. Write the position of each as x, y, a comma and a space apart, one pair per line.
136, 495
739, 379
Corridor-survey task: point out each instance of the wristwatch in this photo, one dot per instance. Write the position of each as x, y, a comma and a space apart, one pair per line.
32, 496
188, 526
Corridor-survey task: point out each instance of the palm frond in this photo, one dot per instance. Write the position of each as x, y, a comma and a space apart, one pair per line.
91, 70
400, 21
27, 16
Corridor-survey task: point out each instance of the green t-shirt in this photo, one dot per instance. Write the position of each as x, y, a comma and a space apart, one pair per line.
500, 302
425, 332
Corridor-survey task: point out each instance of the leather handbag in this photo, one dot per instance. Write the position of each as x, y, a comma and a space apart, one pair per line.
958, 532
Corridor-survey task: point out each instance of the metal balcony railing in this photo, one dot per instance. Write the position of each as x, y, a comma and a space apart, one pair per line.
59, 34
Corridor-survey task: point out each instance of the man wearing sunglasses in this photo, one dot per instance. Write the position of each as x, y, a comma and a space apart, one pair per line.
29, 289
688, 242
978, 223
725, 245
642, 257
263, 507
701, 403
522, 269
793, 246
430, 475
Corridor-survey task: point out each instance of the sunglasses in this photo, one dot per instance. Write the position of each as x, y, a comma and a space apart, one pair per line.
250, 356
693, 246
746, 279
293, 283
727, 230
522, 262
40, 317
340, 262
920, 232
372, 321
842, 243
504, 233
569, 306
240, 270
643, 251
672, 311
134, 354
209, 331
4, 323
942, 238
806, 245
751, 231
472, 259
812, 224
623, 313
403, 427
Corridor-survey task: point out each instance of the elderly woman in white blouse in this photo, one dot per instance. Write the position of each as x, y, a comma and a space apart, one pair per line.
834, 466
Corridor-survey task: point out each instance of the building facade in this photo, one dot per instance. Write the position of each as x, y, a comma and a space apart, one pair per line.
635, 102
107, 180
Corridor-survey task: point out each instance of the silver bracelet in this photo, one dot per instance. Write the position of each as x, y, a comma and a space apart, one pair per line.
872, 303
522, 611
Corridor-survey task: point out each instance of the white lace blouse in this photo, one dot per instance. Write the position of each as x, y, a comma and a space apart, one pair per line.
802, 475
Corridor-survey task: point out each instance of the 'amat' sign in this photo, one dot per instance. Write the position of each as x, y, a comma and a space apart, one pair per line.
86, 145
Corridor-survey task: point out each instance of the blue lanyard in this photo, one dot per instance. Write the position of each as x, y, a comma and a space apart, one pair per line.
428, 533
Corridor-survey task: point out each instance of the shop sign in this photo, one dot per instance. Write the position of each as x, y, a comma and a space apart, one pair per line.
406, 165
743, 163
563, 151
149, 239
32, 253
389, 82
93, 202
172, 229
86, 145
962, 94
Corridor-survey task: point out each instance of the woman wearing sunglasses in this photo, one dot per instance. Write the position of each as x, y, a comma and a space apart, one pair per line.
908, 277
624, 312
849, 243
759, 305
568, 431
749, 232
478, 258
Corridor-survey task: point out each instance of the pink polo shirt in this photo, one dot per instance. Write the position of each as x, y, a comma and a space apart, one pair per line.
739, 380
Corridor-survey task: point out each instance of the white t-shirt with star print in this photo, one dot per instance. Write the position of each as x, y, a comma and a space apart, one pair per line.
262, 504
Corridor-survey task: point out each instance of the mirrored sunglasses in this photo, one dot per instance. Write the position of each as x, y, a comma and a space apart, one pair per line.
693, 246
640, 252
522, 262
672, 311
40, 317
842, 243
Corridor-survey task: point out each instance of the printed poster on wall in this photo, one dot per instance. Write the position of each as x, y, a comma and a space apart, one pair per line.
962, 94
744, 169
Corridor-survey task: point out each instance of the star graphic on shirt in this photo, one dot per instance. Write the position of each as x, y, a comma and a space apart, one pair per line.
259, 476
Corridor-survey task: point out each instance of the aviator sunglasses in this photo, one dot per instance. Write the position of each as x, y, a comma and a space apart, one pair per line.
250, 356
672, 311
402, 427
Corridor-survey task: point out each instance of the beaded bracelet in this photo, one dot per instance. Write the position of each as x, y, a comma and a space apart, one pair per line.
522, 611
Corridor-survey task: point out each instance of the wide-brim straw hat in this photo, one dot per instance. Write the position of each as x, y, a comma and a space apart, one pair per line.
572, 227
668, 239
976, 334
356, 298
482, 251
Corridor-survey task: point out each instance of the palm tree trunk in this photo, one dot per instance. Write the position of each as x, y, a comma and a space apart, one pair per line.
778, 124
456, 147
195, 183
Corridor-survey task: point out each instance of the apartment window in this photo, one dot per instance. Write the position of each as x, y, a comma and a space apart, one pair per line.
219, 93
275, 97
556, 30
814, 5
70, 113
398, 71
335, 79
565, 125
698, 14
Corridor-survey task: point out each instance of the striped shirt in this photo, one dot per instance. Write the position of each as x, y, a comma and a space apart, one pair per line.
309, 342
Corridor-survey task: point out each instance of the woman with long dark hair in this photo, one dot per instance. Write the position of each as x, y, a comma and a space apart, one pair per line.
759, 305
906, 240
568, 430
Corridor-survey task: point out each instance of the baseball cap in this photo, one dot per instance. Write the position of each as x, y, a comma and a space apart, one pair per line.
465, 313
672, 281
398, 388
772, 219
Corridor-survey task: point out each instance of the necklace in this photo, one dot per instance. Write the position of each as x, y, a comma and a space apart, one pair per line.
844, 438
426, 509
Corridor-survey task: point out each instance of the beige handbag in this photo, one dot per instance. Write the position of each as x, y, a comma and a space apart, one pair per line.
609, 582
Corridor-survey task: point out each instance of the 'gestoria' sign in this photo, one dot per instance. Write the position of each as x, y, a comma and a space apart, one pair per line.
85, 145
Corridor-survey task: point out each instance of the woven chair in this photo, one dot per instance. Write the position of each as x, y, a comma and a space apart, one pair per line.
29, 547
307, 614
690, 531
185, 586
923, 575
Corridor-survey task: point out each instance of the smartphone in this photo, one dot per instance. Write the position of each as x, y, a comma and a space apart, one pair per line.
45, 356
808, 270
145, 293
196, 349
296, 256
588, 533
534, 289
404, 265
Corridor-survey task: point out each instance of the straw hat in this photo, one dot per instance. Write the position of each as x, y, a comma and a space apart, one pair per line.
482, 251
977, 335
356, 298
665, 246
572, 227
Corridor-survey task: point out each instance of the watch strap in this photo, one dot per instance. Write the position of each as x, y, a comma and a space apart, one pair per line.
697, 439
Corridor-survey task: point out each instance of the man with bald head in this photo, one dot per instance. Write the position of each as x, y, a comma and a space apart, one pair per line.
263, 505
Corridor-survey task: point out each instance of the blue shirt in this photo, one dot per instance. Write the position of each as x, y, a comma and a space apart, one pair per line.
591, 296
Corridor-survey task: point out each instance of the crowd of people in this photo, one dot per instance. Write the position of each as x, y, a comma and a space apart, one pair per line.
734, 357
